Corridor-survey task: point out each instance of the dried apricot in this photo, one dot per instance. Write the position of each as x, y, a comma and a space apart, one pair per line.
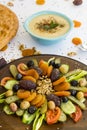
60, 80
49, 71
29, 78
62, 86
76, 23
40, 2
39, 71
21, 93
76, 41
22, 68
31, 97
33, 73
37, 99
27, 52
40, 62
4, 80
41, 102
44, 67
62, 93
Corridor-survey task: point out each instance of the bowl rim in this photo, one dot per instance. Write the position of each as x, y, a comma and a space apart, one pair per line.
26, 24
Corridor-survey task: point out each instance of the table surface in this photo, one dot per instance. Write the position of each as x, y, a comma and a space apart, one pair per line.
25, 8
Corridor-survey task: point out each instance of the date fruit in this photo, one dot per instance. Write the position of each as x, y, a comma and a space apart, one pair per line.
55, 75
27, 84
2, 62
54, 98
77, 2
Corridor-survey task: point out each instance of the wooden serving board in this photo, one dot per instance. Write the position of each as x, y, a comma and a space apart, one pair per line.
13, 122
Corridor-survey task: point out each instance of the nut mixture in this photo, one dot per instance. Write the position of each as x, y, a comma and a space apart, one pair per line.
44, 85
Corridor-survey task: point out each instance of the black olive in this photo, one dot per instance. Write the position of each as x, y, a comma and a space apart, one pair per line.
30, 63
52, 62
31, 109
74, 82
15, 87
19, 76
57, 65
64, 99
18, 102
73, 92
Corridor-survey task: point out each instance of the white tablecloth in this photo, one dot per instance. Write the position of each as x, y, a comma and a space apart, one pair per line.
25, 8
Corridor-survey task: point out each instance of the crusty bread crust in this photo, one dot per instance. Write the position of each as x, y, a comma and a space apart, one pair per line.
8, 25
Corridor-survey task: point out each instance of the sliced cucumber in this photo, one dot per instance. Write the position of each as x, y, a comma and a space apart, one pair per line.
11, 99
64, 68
25, 117
7, 110
57, 60
78, 102
9, 84
35, 62
19, 112
28, 118
44, 107
62, 117
68, 107
83, 100
83, 89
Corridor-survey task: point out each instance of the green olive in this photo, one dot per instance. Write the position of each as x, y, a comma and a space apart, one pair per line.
80, 95
13, 107
64, 68
83, 82
9, 93
24, 104
51, 105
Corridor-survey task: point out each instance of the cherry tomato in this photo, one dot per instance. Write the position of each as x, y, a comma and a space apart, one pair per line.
85, 94
76, 116
52, 116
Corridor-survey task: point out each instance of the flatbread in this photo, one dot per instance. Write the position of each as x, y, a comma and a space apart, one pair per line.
8, 25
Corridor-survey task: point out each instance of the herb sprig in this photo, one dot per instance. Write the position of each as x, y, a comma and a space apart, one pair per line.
49, 25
